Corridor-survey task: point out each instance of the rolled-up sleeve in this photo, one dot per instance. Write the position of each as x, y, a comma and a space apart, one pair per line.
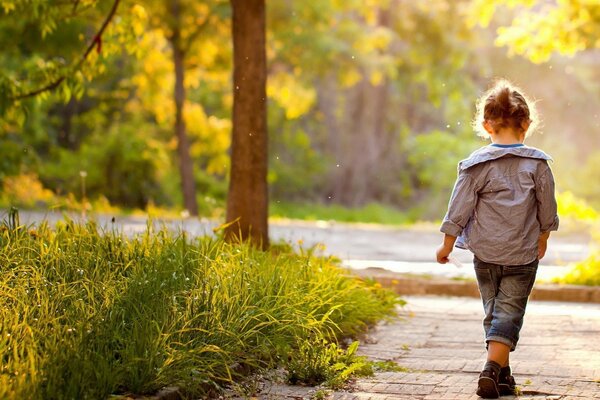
461, 206
547, 210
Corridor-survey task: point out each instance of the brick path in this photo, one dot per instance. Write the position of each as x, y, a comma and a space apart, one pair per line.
440, 340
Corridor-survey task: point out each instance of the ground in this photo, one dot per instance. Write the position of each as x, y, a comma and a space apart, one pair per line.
440, 340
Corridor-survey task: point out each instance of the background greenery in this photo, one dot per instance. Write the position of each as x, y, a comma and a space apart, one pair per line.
370, 102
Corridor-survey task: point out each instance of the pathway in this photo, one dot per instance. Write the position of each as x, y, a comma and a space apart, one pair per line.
440, 340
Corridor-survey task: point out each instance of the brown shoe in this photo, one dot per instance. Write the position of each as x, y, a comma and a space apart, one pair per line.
506, 384
487, 386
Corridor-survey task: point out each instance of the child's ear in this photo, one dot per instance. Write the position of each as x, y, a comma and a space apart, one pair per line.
525, 125
487, 126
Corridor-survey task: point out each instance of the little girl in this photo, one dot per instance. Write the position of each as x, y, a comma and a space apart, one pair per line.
502, 209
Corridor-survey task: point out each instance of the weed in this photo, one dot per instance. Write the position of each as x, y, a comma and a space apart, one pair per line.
388, 366
320, 394
518, 391
319, 361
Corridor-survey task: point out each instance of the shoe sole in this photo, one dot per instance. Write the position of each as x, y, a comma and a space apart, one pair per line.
506, 390
487, 388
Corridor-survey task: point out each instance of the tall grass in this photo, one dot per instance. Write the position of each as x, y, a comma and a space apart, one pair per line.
85, 314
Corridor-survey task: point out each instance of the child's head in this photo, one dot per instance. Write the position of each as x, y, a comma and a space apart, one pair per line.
505, 106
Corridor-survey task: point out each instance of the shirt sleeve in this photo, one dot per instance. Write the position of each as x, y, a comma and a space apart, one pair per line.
547, 210
461, 206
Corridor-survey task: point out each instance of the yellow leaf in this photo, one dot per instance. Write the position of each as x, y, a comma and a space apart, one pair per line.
376, 77
350, 77
290, 94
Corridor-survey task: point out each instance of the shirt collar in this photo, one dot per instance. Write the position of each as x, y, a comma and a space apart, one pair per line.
489, 153
507, 146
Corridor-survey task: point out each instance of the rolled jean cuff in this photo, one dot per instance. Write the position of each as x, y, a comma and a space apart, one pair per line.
501, 339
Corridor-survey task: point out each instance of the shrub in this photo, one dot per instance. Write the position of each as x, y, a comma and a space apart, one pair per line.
25, 190
586, 272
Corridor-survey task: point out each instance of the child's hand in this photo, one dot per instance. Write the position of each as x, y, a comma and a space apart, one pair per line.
542, 249
445, 249
442, 254
543, 244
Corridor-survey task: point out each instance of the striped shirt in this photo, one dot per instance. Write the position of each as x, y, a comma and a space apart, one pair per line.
502, 201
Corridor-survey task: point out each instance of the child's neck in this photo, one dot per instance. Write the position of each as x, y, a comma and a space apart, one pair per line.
507, 136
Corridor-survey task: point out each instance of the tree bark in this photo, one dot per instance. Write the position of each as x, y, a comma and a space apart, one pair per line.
247, 201
186, 168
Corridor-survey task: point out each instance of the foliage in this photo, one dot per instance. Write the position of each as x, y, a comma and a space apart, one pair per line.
360, 94
586, 272
86, 312
318, 361
570, 206
27, 191
576, 214
386, 86
541, 28
62, 60
587, 174
13, 156
433, 157
577, 211
291, 151
125, 164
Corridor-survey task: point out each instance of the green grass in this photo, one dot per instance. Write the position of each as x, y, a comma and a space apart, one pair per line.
372, 213
87, 314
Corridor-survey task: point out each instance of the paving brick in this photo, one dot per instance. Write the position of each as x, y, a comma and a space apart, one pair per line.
440, 339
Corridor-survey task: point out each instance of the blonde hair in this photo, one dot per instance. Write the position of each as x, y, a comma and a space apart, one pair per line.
505, 105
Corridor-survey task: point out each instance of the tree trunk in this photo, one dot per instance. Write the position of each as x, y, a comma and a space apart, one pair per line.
247, 201
186, 168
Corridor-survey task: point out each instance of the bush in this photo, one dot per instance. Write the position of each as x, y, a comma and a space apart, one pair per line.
586, 272
576, 213
25, 190
87, 313
576, 209
124, 165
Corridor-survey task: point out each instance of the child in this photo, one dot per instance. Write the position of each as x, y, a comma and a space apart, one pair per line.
502, 209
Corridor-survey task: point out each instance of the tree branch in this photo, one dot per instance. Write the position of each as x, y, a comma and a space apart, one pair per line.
75, 4
201, 27
195, 34
96, 42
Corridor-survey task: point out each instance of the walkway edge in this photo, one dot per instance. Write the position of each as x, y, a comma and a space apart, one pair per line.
404, 284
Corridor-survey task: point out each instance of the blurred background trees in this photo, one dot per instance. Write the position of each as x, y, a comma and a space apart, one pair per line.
368, 101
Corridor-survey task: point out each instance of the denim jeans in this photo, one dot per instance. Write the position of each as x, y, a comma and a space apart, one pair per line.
504, 290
